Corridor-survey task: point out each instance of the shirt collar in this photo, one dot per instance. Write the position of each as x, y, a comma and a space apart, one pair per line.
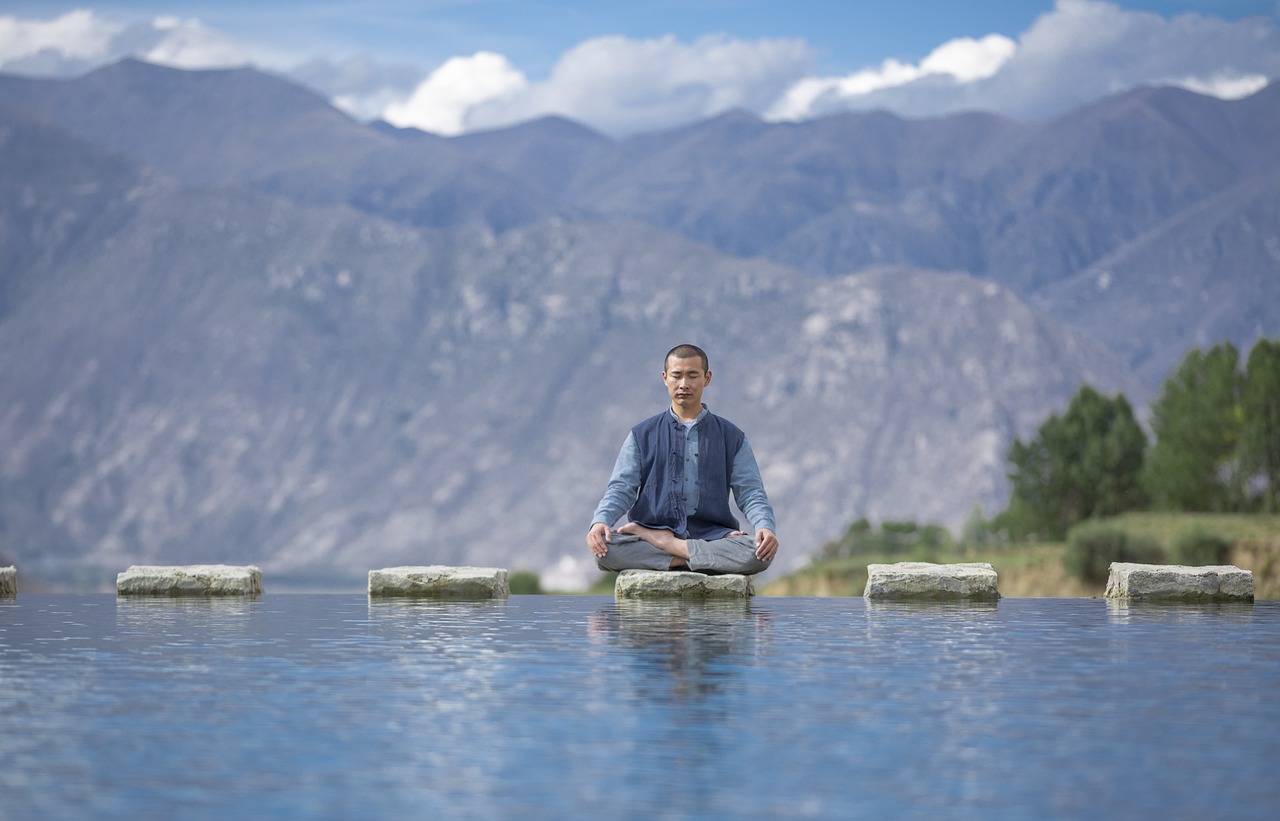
701, 416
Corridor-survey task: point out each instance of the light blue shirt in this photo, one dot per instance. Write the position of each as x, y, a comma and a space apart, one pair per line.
744, 481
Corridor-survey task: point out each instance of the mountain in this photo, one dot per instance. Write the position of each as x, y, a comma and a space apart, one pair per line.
236, 325
244, 127
202, 126
1026, 205
51, 182
223, 375
1208, 275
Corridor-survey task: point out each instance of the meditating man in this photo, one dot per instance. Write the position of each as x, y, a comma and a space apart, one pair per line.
673, 477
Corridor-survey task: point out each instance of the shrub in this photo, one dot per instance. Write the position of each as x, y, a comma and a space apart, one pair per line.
1197, 546
890, 538
1092, 547
523, 582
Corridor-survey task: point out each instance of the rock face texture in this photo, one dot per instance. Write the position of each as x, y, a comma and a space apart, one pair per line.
1179, 583
926, 581
919, 272
8, 582
440, 582
190, 580
663, 584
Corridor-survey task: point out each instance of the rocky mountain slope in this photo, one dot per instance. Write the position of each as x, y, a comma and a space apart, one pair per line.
237, 326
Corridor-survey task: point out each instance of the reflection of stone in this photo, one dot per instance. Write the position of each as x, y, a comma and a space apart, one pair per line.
680, 649
932, 607
1180, 612
440, 582
8, 582
1157, 582
923, 580
677, 584
190, 580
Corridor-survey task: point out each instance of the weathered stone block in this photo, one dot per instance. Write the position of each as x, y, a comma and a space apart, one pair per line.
927, 581
679, 584
440, 582
190, 580
8, 582
1173, 582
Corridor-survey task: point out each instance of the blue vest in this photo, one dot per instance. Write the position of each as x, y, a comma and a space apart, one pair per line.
660, 503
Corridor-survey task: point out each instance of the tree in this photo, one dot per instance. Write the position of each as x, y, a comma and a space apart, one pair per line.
1083, 464
1261, 435
1197, 421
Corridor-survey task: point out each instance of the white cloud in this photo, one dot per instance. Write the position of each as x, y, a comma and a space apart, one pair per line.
963, 60
620, 85
81, 40
359, 85
190, 44
79, 35
1080, 51
443, 101
1224, 86
1087, 49
967, 59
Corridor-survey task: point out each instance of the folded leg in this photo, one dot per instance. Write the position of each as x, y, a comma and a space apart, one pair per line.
632, 553
732, 554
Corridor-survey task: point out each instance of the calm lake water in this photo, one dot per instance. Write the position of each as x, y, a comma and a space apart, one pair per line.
566, 707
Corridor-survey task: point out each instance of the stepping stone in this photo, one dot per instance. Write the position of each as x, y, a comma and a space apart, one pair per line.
929, 582
8, 582
681, 584
440, 582
190, 580
1179, 583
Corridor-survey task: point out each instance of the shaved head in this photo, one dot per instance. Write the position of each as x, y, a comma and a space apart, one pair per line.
687, 351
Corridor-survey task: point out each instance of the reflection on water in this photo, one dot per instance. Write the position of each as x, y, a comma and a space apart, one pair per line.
680, 650
561, 707
942, 609
1123, 611
187, 620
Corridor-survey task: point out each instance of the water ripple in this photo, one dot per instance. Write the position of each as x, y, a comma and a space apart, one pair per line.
584, 707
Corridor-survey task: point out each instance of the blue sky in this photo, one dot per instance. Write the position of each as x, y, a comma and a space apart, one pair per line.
849, 33
457, 65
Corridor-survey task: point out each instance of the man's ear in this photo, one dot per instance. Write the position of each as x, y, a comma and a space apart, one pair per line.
708, 382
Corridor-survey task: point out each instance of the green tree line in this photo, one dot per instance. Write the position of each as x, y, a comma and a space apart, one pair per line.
1215, 448
904, 540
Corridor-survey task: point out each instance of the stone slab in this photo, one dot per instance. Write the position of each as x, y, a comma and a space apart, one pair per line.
681, 584
1178, 583
925, 581
8, 582
440, 582
190, 580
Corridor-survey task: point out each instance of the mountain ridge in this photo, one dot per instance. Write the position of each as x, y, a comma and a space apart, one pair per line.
376, 348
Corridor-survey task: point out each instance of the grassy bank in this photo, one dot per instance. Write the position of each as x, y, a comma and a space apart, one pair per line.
1037, 569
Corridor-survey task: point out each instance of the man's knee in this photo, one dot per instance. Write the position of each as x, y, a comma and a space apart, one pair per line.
609, 564
747, 547
732, 554
751, 565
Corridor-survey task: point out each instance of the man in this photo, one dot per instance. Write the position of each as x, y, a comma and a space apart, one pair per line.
673, 477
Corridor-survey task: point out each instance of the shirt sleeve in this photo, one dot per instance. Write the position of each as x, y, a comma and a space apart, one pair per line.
624, 485
748, 489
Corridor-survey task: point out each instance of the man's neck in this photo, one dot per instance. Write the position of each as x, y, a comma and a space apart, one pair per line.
683, 415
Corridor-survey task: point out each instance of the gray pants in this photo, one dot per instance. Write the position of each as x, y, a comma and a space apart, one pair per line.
732, 554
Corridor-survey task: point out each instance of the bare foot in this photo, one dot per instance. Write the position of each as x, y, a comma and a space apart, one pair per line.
664, 540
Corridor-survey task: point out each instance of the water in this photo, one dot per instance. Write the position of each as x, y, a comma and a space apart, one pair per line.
333, 706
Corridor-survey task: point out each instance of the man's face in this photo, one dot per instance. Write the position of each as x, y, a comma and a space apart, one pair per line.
686, 380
